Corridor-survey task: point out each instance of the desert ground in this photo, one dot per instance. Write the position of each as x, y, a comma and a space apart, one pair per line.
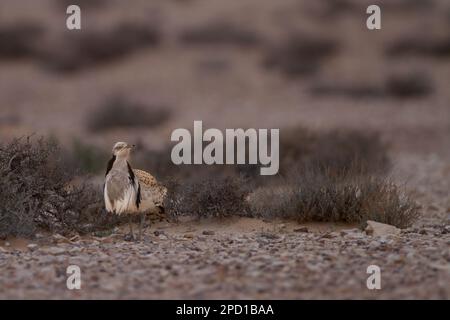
227, 85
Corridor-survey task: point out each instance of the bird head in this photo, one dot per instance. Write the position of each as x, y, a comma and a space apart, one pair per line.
122, 149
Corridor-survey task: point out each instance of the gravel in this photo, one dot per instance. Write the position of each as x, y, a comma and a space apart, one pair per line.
291, 265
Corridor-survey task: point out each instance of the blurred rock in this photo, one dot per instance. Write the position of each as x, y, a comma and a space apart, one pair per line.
380, 229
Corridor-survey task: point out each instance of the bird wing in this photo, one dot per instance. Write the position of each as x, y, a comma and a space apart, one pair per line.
152, 192
145, 178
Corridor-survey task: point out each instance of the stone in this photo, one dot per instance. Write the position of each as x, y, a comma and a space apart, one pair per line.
158, 232
32, 246
302, 229
208, 232
380, 229
162, 236
269, 235
54, 251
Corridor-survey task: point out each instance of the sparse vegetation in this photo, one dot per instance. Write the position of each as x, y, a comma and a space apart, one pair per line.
336, 150
420, 46
309, 195
221, 197
18, 42
38, 192
353, 90
118, 112
397, 86
88, 49
338, 181
345, 196
336, 176
412, 85
219, 34
300, 55
75, 51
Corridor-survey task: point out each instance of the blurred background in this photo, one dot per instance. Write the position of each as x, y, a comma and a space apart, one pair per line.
139, 69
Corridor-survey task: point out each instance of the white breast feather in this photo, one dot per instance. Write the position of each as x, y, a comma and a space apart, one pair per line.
108, 204
125, 204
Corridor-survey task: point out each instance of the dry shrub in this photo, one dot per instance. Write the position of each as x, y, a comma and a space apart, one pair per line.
353, 91
346, 196
398, 86
87, 49
420, 46
337, 150
220, 197
38, 192
118, 112
19, 41
341, 180
300, 55
219, 33
410, 85
309, 195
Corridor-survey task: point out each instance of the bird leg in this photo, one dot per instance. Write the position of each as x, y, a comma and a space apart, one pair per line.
130, 236
141, 224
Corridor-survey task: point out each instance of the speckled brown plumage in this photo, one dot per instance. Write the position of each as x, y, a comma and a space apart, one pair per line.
145, 179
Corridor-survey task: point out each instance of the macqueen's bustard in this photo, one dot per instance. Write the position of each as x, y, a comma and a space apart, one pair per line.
130, 191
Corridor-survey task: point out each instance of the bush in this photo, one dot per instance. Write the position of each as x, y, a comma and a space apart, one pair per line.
346, 196
221, 197
38, 192
412, 85
351, 90
335, 150
118, 112
300, 55
310, 194
81, 50
19, 41
399, 86
218, 34
420, 46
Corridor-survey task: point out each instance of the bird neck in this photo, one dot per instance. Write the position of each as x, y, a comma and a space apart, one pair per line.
121, 163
